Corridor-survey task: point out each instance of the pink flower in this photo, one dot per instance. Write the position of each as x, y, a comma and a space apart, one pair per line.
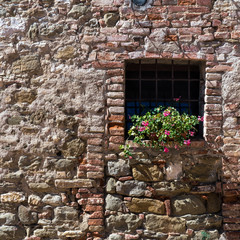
166, 150
187, 142
145, 123
200, 119
167, 132
141, 129
130, 157
176, 147
177, 99
191, 133
166, 113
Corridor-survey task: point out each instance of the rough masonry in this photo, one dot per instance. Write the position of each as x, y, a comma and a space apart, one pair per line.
62, 121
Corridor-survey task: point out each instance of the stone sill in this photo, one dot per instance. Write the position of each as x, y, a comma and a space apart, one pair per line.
199, 143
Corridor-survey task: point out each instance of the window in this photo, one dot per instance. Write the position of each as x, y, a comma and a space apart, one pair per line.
150, 83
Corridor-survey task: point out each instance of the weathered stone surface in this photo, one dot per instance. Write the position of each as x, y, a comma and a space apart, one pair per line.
26, 216
147, 173
111, 185
40, 187
187, 204
76, 183
53, 200
211, 235
65, 53
65, 213
165, 224
45, 233
72, 234
206, 221
73, 148
139, 205
115, 236
34, 200
26, 163
25, 96
77, 11
113, 202
12, 232
119, 168
171, 188
29, 64
111, 19
13, 197
8, 219
204, 169
213, 203
49, 30
140, 157
123, 222
131, 188
65, 164
14, 120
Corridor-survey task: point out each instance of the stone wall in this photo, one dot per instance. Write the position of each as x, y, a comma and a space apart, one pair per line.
62, 120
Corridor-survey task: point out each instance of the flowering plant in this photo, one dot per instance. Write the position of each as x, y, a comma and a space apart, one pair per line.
164, 128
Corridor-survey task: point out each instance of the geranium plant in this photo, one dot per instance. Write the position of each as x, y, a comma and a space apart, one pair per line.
162, 128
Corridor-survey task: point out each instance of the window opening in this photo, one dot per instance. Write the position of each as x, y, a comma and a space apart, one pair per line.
150, 83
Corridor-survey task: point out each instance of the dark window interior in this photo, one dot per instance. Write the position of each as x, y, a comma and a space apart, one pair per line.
153, 83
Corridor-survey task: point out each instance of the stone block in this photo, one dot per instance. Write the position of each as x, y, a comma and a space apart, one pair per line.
77, 11
8, 219
170, 189
65, 214
25, 96
148, 173
34, 200
119, 168
139, 205
75, 183
13, 197
65, 53
111, 19
165, 224
26, 216
131, 188
40, 187
73, 148
187, 204
27, 64
205, 221
53, 200
10, 232
113, 202
123, 222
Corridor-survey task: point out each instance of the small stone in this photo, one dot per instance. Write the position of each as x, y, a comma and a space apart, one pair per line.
34, 200
119, 168
14, 120
147, 173
25, 96
111, 19
187, 204
73, 148
65, 53
131, 188
8, 219
29, 64
53, 200
65, 213
138, 205
64, 164
115, 236
77, 11
113, 202
26, 216
209, 235
111, 185
12, 197
73, 234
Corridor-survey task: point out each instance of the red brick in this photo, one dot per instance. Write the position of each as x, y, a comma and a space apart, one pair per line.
231, 227
206, 37
115, 102
216, 23
94, 141
186, 2
95, 175
169, 2
93, 208
97, 214
95, 201
167, 204
95, 222
107, 64
207, 3
233, 235
191, 30
176, 9
115, 72
116, 130
125, 178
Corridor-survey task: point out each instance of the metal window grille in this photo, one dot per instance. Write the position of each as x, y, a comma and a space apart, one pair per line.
150, 83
